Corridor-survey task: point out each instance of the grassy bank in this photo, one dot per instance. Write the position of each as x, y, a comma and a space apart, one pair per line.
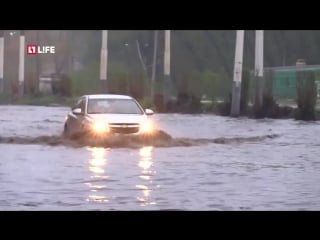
286, 111
49, 100
52, 100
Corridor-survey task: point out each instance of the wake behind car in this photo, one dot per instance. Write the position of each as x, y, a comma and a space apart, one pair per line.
106, 114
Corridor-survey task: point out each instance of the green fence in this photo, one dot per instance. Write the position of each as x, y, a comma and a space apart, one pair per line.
284, 83
284, 80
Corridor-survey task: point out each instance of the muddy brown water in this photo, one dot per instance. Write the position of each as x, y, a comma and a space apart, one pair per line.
206, 162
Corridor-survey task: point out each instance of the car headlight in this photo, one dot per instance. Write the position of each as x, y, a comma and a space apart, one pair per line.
147, 126
100, 127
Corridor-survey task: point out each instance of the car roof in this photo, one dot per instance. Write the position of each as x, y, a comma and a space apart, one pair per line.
107, 96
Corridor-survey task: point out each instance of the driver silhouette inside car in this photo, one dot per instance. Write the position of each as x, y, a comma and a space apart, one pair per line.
97, 107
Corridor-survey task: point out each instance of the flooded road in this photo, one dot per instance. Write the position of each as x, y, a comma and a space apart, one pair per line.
246, 171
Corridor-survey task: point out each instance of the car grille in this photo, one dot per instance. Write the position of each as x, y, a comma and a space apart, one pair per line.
124, 128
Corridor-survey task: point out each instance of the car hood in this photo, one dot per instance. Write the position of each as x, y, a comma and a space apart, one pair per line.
118, 118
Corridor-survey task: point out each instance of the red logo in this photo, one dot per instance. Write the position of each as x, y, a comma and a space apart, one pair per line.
32, 49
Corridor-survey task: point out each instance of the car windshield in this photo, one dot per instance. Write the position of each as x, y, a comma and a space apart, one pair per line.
113, 106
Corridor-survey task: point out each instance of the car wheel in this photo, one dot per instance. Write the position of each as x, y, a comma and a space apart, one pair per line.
66, 132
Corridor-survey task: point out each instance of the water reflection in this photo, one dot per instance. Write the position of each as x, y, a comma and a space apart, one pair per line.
145, 164
97, 164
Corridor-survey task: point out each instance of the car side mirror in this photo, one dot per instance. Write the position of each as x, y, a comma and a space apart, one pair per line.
149, 112
77, 111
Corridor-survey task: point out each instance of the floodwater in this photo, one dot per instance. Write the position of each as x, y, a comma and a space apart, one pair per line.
259, 165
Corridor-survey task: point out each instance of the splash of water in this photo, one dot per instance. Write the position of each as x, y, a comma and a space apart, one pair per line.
159, 139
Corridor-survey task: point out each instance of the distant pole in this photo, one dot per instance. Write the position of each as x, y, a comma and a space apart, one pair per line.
1, 61
154, 67
104, 62
258, 70
37, 62
237, 75
21, 64
167, 79
128, 87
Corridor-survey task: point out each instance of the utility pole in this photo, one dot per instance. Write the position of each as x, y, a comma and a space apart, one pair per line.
104, 62
154, 67
1, 60
258, 70
128, 87
237, 75
167, 79
37, 62
21, 64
